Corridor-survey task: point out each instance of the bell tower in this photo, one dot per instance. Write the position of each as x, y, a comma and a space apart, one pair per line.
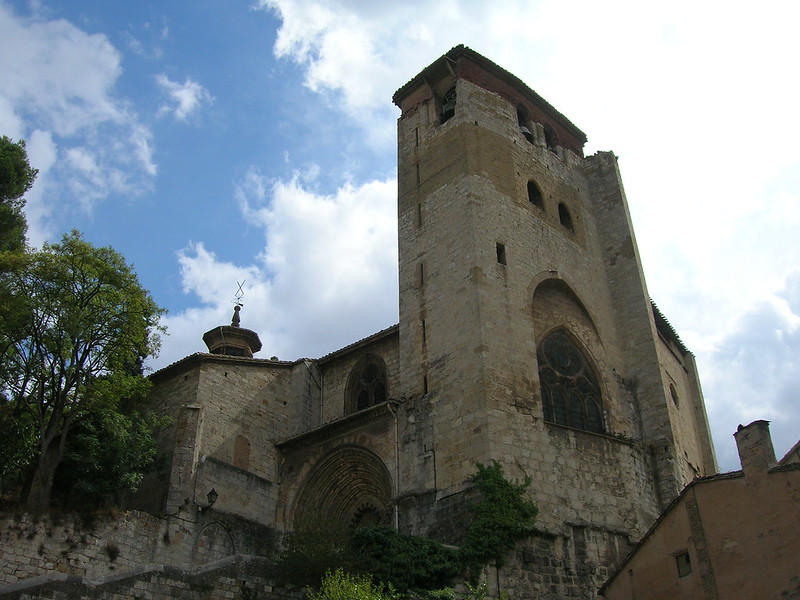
524, 314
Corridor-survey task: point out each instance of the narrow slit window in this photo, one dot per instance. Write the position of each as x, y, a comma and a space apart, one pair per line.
501, 253
684, 564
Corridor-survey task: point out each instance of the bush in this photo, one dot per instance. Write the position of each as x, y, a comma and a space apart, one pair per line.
315, 547
338, 585
407, 562
501, 518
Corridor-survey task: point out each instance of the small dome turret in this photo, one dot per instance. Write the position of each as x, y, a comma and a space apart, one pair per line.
232, 340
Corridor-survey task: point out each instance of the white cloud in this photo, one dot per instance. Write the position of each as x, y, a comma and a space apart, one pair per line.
327, 276
754, 372
185, 98
57, 88
698, 100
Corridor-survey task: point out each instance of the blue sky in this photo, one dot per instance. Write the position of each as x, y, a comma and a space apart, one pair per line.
213, 142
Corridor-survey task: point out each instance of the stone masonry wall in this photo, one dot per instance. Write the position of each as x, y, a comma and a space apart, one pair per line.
236, 577
95, 546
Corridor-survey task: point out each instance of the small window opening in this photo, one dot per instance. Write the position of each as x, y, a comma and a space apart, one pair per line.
524, 123
550, 137
564, 217
535, 194
419, 215
416, 136
684, 564
673, 394
418, 179
501, 253
424, 384
449, 105
424, 332
421, 274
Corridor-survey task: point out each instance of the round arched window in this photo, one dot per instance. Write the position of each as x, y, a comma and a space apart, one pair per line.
570, 393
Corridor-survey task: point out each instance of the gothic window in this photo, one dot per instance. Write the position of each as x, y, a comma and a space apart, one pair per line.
367, 386
570, 393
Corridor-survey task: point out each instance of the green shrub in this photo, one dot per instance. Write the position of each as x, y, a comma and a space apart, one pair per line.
407, 562
315, 546
501, 518
338, 585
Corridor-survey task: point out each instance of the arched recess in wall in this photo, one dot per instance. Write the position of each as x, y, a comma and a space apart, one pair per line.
213, 541
568, 348
350, 486
367, 384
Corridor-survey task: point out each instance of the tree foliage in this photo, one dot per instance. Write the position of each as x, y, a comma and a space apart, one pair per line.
74, 316
338, 585
502, 517
315, 546
408, 562
16, 178
111, 446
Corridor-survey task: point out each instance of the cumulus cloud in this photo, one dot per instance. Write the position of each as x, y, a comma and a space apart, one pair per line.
754, 372
327, 275
704, 127
185, 99
57, 88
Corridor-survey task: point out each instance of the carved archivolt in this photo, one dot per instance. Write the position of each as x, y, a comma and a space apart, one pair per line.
349, 485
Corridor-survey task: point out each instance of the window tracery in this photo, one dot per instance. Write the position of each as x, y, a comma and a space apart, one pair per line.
368, 385
570, 393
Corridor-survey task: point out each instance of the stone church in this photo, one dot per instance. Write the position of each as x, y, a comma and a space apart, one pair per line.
526, 336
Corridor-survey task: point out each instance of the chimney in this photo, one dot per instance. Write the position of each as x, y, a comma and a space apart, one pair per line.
755, 447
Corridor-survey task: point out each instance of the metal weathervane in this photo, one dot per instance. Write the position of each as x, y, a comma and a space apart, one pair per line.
238, 304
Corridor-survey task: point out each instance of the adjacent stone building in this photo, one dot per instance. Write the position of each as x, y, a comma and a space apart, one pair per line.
526, 336
729, 536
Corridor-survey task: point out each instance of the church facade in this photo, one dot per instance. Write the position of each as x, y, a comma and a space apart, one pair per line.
526, 336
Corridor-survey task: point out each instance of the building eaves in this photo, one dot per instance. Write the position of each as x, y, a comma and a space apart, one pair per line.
344, 424
665, 328
691, 485
201, 357
384, 333
463, 51
792, 456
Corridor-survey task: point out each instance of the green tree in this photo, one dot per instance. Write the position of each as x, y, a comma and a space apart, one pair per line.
16, 178
76, 317
111, 446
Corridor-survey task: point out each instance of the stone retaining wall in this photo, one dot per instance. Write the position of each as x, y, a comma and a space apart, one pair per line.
95, 546
235, 577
